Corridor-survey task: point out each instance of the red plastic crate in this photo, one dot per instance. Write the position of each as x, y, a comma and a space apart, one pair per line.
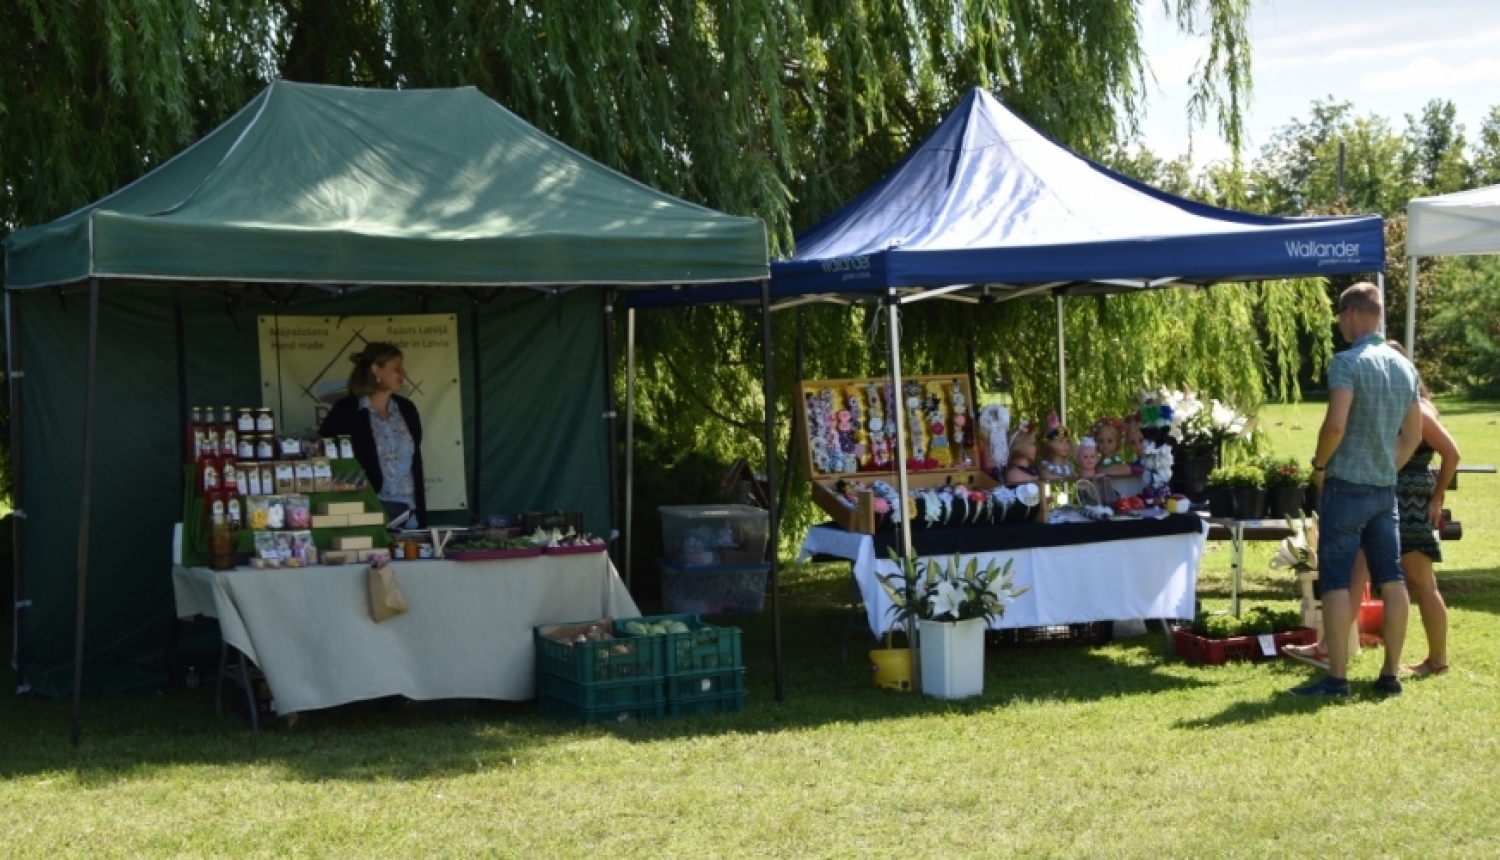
1216, 652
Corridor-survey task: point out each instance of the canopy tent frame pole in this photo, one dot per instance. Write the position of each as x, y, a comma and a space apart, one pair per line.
476, 504
1062, 365
768, 384
17, 377
1411, 307
85, 506
908, 552
628, 541
613, 459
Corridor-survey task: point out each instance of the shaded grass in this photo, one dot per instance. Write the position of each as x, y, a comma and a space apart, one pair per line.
1103, 751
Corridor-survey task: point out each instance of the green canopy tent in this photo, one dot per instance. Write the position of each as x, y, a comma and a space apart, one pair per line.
320, 201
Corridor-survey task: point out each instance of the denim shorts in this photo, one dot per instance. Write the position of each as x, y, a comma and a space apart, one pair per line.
1352, 517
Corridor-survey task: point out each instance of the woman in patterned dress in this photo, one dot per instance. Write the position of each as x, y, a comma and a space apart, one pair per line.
385, 429
1419, 505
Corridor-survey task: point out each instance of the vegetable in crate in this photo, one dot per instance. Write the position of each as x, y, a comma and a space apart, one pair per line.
660, 628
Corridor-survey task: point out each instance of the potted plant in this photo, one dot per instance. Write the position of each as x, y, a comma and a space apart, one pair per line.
1216, 638
1284, 482
1240, 489
952, 605
1199, 431
892, 666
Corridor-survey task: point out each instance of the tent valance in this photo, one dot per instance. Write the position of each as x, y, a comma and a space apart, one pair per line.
1453, 224
318, 184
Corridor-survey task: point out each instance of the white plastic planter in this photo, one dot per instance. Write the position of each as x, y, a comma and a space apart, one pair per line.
952, 657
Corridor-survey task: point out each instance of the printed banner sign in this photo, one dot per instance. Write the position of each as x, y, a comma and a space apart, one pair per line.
304, 370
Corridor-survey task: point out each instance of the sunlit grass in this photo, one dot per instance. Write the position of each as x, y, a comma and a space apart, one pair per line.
1071, 752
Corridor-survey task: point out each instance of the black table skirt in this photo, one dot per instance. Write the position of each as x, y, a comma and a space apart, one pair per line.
931, 542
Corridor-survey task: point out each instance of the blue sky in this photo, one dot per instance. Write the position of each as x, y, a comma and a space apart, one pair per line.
1386, 57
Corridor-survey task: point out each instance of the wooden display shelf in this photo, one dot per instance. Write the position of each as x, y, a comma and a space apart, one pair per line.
964, 469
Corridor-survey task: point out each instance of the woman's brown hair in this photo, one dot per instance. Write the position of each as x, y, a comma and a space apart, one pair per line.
362, 379
1421, 386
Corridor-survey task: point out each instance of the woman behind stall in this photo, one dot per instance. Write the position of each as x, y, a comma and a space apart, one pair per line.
385, 429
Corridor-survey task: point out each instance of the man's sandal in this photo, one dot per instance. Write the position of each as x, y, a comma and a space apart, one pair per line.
1425, 669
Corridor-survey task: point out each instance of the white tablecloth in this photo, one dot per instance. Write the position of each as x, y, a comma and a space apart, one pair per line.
1153, 577
467, 634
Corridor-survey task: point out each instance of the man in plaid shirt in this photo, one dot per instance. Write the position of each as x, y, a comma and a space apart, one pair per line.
1372, 426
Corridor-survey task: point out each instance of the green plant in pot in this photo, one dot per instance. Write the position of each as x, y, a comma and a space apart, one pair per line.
1237, 492
1285, 479
951, 605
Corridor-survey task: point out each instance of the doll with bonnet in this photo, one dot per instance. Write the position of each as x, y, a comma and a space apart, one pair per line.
1057, 464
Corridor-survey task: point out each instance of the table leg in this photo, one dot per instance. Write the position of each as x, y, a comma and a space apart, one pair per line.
1237, 565
856, 600
249, 692
219, 682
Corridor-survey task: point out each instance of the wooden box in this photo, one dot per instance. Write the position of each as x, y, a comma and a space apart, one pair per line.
844, 439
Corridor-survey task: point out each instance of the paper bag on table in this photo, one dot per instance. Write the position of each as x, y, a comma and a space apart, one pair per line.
386, 600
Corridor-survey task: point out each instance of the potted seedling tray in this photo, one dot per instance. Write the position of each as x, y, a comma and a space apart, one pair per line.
579, 549
485, 553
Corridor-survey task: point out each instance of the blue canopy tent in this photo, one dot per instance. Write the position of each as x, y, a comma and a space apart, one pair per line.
988, 206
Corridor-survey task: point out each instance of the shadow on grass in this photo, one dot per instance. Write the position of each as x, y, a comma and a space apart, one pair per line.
131, 737
1279, 704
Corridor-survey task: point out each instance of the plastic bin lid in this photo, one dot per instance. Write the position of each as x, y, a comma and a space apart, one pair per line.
717, 511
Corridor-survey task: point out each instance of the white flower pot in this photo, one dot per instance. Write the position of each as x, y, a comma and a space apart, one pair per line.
952, 657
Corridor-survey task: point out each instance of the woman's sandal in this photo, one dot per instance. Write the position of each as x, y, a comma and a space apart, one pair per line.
1425, 669
1312, 655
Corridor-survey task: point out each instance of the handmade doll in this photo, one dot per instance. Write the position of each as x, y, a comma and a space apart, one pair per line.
1088, 468
994, 429
1109, 434
1022, 452
1088, 458
1056, 462
1136, 440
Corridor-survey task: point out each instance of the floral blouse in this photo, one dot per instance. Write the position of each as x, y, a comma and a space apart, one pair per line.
394, 443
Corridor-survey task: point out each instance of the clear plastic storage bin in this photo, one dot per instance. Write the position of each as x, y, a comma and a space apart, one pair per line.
696, 535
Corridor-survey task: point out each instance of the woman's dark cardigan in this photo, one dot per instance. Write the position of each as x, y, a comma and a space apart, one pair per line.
347, 419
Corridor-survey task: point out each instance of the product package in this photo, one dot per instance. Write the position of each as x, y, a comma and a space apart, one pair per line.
298, 512
275, 512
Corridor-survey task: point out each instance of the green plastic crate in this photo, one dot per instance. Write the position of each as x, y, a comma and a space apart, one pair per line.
730, 704
590, 662
602, 694
704, 648
558, 709
705, 685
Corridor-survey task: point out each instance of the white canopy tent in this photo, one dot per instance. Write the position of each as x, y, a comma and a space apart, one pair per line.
1450, 225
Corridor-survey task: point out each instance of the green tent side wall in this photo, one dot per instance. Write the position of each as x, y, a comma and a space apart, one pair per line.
544, 441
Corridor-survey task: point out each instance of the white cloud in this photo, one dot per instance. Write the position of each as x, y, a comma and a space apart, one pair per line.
1176, 65
1430, 73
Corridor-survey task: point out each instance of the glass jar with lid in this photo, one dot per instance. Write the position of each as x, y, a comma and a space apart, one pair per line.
265, 420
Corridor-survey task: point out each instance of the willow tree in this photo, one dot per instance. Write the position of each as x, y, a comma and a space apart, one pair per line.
783, 109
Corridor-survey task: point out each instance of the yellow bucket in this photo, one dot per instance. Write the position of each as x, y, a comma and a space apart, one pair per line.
892, 668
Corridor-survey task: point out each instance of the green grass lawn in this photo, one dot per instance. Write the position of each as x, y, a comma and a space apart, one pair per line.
1071, 752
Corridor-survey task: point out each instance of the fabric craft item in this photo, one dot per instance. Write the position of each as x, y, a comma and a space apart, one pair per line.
940, 448
859, 419
994, 423
916, 426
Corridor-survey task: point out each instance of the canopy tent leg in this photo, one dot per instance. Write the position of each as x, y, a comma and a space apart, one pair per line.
893, 310
629, 544
769, 389
1411, 307
609, 415
85, 503
476, 503
1062, 366
16, 368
